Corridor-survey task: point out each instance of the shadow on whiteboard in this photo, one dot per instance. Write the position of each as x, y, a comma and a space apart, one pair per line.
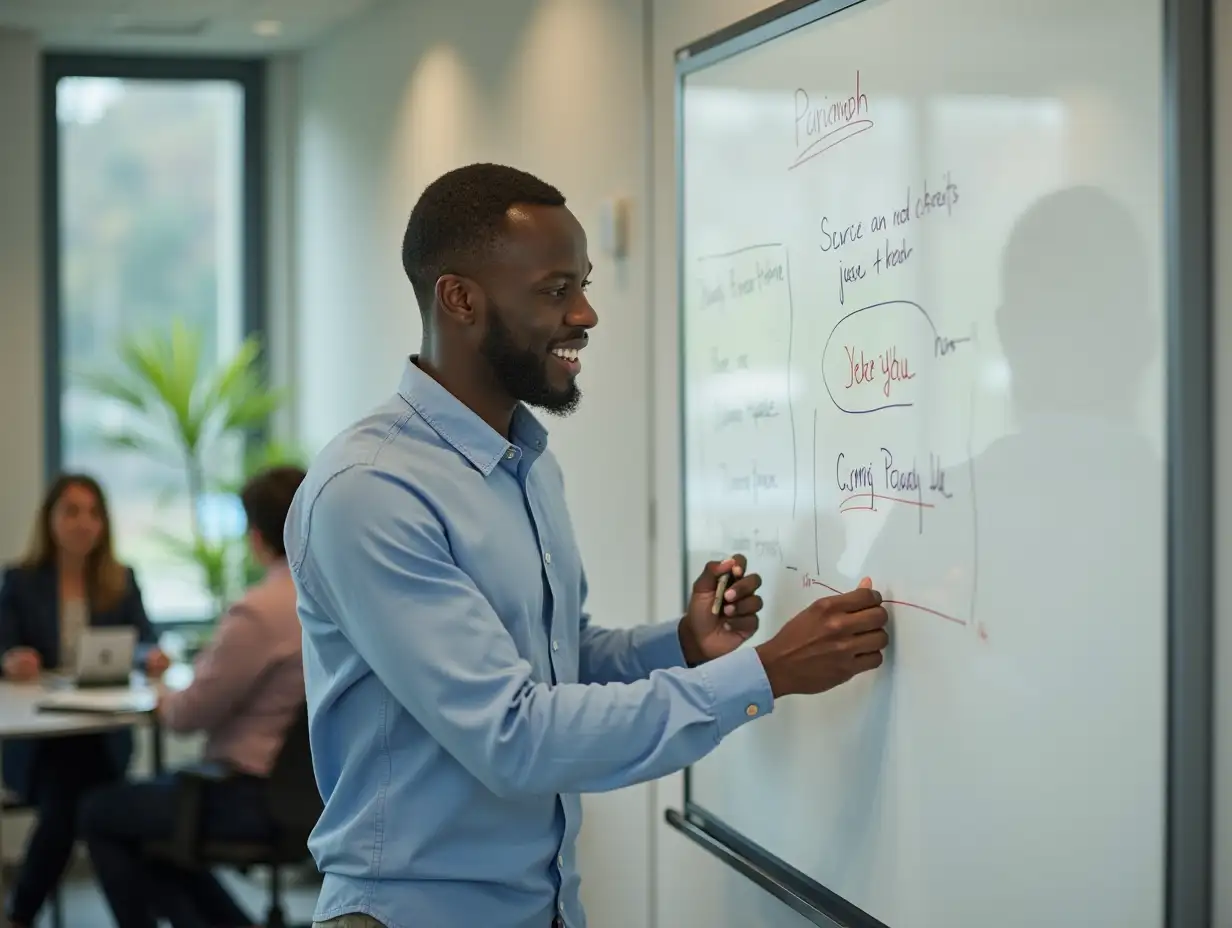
1043, 731
958, 784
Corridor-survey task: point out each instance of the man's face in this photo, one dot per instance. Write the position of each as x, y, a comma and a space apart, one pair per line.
536, 315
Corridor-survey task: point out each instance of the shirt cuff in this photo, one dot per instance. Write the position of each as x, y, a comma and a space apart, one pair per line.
658, 646
739, 687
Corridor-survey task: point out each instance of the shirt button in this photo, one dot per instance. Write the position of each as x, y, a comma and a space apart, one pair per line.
560, 860
510, 453
555, 645
751, 711
547, 557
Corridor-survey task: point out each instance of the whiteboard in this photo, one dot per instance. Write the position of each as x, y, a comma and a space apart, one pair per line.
923, 292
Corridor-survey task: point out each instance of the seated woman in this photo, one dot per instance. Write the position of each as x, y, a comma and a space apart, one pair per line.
247, 689
68, 580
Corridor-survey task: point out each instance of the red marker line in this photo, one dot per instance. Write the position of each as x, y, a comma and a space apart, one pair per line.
871, 507
940, 615
813, 581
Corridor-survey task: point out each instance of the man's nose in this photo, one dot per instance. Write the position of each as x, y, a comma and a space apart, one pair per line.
583, 315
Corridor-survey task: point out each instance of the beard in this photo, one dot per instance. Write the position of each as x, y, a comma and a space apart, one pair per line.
523, 373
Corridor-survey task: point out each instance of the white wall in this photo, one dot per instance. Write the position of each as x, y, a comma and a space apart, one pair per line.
414, 89
21, 314
281, 134
21, 290
551, 86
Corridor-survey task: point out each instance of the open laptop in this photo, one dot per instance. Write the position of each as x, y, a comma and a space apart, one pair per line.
105, 656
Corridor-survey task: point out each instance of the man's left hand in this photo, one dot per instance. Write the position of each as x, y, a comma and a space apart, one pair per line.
704, 635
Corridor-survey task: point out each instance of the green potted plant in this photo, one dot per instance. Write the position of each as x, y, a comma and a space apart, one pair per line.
184, 414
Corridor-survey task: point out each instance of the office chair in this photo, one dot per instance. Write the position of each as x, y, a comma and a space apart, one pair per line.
294, 806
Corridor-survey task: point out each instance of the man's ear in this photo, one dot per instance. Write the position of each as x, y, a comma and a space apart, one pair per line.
458, 298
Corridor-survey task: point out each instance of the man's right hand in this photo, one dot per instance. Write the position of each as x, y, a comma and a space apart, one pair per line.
21, 664
827, 644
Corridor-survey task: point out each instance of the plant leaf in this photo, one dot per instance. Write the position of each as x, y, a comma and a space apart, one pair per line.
124, 391
259, 456
184, 373
169, 366
179, 547
237, 377
273, 453
191, 418
252, 411
211, 558
142, 444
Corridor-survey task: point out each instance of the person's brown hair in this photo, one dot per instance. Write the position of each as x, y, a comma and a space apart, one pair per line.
106, 578
267, 500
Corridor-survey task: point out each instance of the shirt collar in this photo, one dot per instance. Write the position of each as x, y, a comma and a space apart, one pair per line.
462, 428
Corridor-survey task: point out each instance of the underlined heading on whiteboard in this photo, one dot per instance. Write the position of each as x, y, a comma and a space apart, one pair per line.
823, 124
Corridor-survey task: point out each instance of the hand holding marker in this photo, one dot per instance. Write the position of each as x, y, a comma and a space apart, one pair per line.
865, 584
827, 643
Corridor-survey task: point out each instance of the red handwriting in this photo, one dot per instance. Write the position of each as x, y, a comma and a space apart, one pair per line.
893, 369
862, 370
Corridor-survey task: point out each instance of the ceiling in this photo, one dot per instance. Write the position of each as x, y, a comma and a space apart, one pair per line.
217, 27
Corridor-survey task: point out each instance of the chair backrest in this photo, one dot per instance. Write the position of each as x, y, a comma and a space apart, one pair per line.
294, 800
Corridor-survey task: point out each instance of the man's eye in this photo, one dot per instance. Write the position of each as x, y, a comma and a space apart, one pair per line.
559, 293
586, 284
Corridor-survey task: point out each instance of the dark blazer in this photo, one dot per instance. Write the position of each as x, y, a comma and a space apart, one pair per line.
30, 617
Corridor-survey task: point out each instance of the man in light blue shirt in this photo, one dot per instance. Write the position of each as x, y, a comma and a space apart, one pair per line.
461, 699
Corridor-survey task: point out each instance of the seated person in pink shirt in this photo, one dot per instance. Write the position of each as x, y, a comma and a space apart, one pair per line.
247, 688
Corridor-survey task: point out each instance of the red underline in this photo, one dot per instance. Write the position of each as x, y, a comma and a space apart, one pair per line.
843, 507
813, 581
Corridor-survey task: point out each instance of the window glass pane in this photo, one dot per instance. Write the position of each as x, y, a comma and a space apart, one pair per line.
150, 232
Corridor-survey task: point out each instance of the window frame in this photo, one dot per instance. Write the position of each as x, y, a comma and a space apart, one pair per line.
250, 75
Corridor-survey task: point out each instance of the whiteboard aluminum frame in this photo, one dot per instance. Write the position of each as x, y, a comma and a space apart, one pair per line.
1187, 91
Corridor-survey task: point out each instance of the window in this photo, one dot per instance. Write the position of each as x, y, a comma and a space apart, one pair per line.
154, 191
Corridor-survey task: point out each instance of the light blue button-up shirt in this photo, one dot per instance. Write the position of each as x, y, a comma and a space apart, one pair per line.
460, 698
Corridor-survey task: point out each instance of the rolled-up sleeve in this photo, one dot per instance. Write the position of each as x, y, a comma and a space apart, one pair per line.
378, 559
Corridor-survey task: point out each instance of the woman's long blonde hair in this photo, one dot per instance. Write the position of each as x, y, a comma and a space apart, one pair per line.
106, 578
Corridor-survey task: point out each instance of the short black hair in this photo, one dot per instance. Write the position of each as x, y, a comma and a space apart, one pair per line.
460, 215
266, 498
